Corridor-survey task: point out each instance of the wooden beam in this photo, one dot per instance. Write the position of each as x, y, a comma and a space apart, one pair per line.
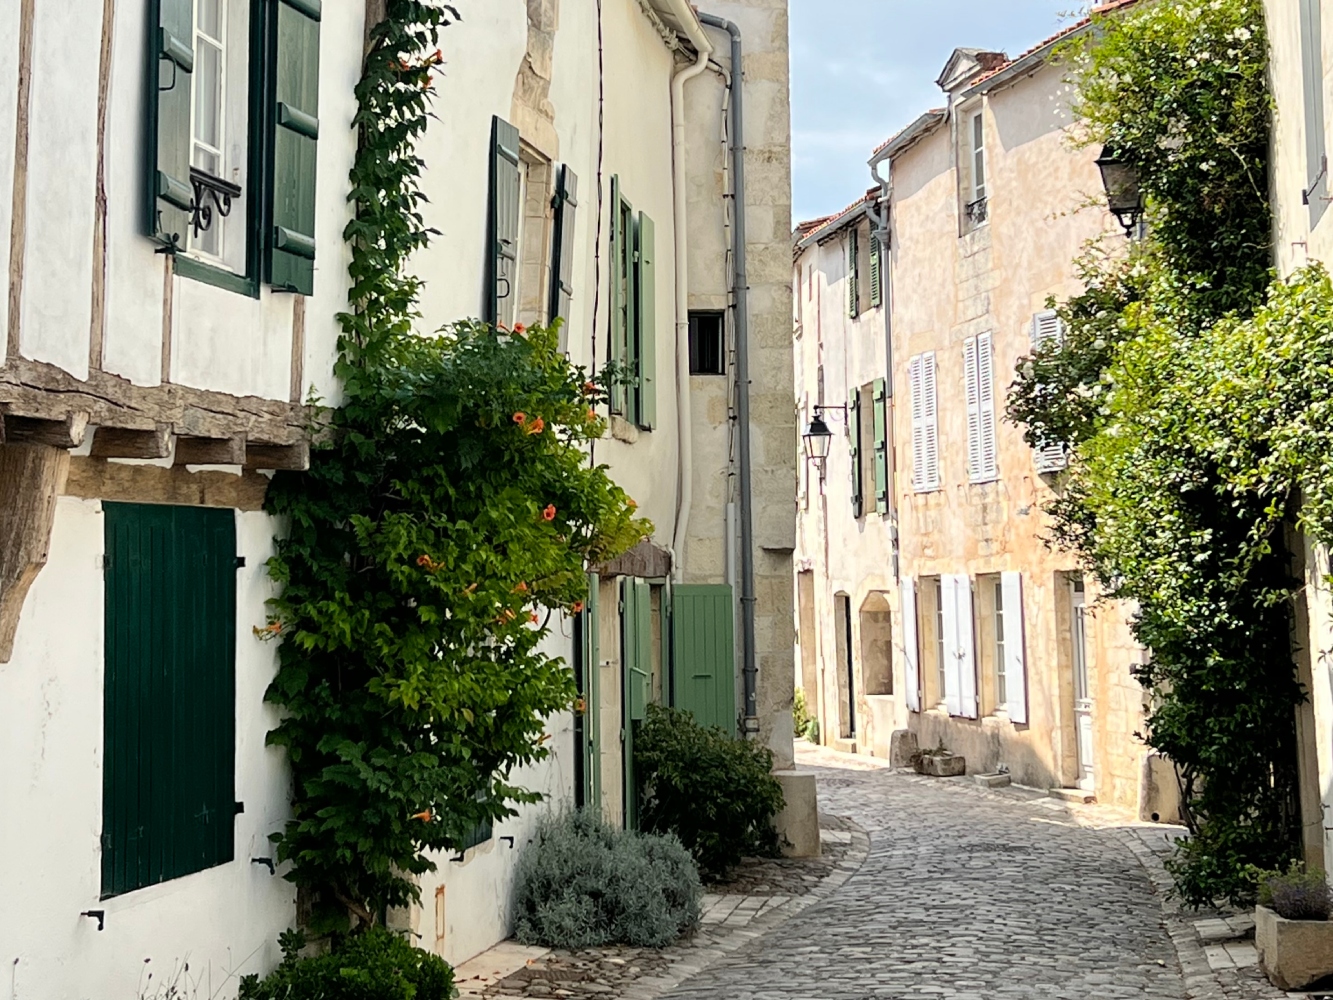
58, 432
31, 477
210, 451
116, 442
38, 389
293, 457
96, 479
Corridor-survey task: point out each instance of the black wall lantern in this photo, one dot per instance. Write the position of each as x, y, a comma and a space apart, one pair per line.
1124, 195
818, 438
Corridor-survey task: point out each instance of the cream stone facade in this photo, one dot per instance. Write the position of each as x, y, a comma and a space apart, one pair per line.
1301, 39
1000, 649
174, 381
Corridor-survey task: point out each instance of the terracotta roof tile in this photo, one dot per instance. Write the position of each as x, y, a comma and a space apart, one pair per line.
1065, 32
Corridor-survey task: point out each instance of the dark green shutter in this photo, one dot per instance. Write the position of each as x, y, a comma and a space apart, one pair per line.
876, 272
636, 639
881, 447
854, 432
562, 247
703, 653
646, 303
170, 72
616, 347
294, 138
500, 306
168, 793
853, 274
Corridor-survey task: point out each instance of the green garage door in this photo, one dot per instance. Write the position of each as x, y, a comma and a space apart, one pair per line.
703, 653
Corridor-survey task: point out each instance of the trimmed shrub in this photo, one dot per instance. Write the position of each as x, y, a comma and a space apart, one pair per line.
376, 965
715, 792
1299, 894
582, 884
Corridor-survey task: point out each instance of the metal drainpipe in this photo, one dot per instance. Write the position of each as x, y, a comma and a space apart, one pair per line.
749, 667
881, 215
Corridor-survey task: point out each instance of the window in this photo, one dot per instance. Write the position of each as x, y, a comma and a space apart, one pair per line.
633, 339
233, 77
941, 652
1001, 692
979, 377
1047, 328
707, 352
925, 423
1000, 645
168, 787
976, 203
958, 646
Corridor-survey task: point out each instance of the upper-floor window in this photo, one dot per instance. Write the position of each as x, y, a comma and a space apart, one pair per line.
925, 423
974, 168
229, 219
979, 378
1047, 327
633, 340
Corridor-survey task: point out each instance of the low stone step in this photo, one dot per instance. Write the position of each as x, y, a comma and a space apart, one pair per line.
992, 780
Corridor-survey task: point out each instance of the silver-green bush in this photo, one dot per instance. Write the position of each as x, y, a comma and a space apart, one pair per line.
582, 884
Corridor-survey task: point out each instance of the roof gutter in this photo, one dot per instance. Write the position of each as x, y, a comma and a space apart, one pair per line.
741, 307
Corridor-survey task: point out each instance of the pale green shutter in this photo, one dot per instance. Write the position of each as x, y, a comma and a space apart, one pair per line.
502, 225
881, 447
703, 653
646, 288
562, 247
853, 274
854, 427
170, 72
616, 347
876, 272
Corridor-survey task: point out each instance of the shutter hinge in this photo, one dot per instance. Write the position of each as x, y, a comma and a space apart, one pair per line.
240, 562
239, 807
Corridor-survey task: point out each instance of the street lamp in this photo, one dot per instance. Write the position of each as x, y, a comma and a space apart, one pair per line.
818, 438
1124, 194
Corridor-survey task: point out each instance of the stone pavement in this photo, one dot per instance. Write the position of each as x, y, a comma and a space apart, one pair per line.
970, 893
938, 890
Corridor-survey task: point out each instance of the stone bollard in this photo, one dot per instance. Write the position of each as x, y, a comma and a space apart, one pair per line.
798, 821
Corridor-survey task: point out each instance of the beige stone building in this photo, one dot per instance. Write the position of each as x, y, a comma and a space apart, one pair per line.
1302, 54
928, 597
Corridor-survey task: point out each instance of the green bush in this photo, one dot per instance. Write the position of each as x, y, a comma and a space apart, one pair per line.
803, 720
582, 884
715, 792
376, 965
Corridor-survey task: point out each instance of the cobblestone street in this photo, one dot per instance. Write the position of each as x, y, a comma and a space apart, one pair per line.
970, 894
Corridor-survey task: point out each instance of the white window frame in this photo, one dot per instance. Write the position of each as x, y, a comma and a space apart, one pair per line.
224, 244
977, 148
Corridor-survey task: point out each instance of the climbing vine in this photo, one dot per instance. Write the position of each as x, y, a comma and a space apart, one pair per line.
443, 529
1190, 394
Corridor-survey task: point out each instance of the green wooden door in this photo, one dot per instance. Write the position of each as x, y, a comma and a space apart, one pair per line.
589, 722
168, 794
703, 653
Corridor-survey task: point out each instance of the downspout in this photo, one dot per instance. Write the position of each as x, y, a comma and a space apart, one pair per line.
749, 667
881, 214
684, 425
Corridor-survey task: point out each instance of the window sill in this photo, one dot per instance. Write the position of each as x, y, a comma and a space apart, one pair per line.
211, 274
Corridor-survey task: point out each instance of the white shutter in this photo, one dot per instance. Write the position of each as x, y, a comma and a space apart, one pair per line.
912, 672
953, 696
986, 408
967, 650
973, 392
1047, 326
914, 367
930, 417
1015, 659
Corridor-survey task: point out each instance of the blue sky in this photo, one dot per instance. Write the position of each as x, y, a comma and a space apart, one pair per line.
862, 69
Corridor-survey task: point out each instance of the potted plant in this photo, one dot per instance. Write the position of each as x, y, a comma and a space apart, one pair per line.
1292, 930
939, 763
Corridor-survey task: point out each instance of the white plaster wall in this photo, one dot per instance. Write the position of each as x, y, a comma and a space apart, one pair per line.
9, 69
223, 921
62, 158
135, 275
